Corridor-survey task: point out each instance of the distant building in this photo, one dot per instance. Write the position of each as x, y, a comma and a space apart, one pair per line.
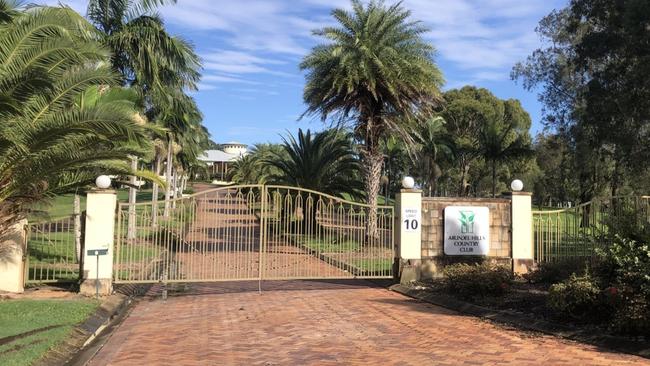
218, 161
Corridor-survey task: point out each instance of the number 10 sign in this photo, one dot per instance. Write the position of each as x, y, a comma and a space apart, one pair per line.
411, 217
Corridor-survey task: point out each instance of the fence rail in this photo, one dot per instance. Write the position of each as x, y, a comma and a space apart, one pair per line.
53, 251
576, 232
251, 232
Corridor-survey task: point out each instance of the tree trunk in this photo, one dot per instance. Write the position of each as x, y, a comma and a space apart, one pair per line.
374, 162
464, 170
154, 192
76, 211
132, 197
168, 178
494, 178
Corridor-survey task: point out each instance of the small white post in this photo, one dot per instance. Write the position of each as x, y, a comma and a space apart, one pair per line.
98, 251
523, 258
409, 233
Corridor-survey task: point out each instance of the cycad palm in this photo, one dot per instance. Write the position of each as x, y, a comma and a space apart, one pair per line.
51, 142
323, 162
378, 72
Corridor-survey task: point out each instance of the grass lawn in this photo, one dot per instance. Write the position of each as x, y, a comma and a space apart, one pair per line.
50, 322
324, 245
374, 264
62, 206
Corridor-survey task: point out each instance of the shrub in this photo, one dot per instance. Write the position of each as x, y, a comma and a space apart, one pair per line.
555, 272
577, 297
470, 280
633, 315
630, 261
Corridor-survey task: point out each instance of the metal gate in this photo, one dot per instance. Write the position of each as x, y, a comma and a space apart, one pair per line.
251, 232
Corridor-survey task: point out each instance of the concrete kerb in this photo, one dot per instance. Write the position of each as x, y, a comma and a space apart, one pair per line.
99, 326
526, 322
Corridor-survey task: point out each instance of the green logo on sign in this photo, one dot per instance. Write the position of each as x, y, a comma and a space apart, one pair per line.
467, 222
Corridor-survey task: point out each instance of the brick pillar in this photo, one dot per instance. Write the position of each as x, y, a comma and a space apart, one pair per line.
98, 251
408, 204
522, 232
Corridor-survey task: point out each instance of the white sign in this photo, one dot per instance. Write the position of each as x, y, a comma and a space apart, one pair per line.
467, 230
411, 217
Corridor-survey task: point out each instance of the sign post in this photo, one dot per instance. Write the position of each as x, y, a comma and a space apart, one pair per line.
467, 230
409, 234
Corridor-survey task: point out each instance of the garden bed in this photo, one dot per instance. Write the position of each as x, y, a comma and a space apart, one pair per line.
524, 305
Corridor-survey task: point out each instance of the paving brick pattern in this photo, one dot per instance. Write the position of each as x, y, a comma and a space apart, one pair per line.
324, 323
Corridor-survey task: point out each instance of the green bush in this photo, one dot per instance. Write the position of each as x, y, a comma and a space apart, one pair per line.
631, 279
471, 280
577, 298
555, 272
633, 315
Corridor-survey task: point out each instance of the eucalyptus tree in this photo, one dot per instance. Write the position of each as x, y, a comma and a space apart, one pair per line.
49, 143
377, 73
465, 111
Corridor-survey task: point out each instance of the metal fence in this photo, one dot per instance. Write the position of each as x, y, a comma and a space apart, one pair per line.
251, 232
53, 250
576, 232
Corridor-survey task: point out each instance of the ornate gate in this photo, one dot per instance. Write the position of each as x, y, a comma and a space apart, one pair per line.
251, 232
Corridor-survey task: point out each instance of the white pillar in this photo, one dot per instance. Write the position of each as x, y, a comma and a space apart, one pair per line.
522, 232
12, 267
98, 250
408, 204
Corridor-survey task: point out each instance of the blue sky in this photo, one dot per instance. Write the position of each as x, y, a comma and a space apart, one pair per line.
251, 90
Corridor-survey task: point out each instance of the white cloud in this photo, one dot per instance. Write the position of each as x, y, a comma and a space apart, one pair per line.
483, 37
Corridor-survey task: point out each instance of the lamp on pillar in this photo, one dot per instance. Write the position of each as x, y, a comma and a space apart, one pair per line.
103, 182
101, 204
408, 182
517, 185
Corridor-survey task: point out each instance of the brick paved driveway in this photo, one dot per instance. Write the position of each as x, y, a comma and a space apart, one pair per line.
320, 323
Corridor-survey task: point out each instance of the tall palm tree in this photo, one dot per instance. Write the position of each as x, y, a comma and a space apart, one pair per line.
505, 137
433, 144
146, 56
323, 161
49, 142
378, 72
158, 65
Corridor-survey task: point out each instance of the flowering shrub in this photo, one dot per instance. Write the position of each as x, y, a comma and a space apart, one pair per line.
471, 280
577, 297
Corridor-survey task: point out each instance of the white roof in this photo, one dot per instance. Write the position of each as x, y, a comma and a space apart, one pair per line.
212, 156
234, 143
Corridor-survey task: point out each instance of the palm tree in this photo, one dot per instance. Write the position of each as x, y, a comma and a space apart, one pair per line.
505, 137
252, 168
158, 65
52, 139
433, 144
376, 71
395, 162
323, 161
146, 56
